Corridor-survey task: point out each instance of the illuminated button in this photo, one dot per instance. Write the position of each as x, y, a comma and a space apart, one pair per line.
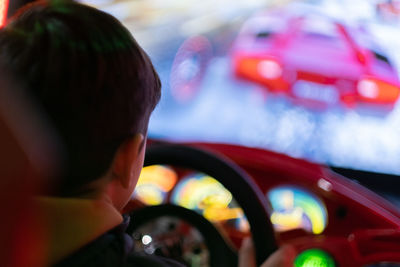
314, 258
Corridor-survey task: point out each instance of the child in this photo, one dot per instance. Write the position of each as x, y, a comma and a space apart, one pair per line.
98, 88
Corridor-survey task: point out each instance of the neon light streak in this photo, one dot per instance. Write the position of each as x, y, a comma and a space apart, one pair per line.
3, 12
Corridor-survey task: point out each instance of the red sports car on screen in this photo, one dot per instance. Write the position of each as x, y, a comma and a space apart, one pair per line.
315, 61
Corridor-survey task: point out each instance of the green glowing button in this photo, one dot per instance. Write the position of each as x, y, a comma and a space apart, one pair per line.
314, 258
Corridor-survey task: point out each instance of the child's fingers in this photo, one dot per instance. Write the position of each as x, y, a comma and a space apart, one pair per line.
246, 254
283, 257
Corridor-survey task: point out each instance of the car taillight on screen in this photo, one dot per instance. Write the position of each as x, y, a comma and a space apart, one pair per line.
374, 90
269, 69
265, 68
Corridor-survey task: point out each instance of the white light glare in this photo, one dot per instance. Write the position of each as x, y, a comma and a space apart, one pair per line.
269, 69
146, 239
324, 184
368, 89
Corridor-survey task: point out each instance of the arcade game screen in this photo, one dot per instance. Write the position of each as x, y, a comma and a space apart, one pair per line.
317, 80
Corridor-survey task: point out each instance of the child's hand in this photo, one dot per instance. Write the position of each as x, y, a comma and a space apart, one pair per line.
283, 257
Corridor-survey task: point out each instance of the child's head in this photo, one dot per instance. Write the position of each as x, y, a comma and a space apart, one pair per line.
91, 78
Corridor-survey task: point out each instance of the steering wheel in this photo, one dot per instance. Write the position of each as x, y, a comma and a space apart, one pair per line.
241, 186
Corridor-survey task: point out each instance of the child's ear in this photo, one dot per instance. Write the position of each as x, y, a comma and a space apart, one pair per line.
126, 160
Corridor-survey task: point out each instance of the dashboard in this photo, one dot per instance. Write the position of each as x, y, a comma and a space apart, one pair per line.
292, 206
331, 220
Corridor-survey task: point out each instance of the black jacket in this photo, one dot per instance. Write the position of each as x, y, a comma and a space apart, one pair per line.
114, 248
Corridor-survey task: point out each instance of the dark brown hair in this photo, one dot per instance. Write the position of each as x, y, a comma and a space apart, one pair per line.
90, 77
